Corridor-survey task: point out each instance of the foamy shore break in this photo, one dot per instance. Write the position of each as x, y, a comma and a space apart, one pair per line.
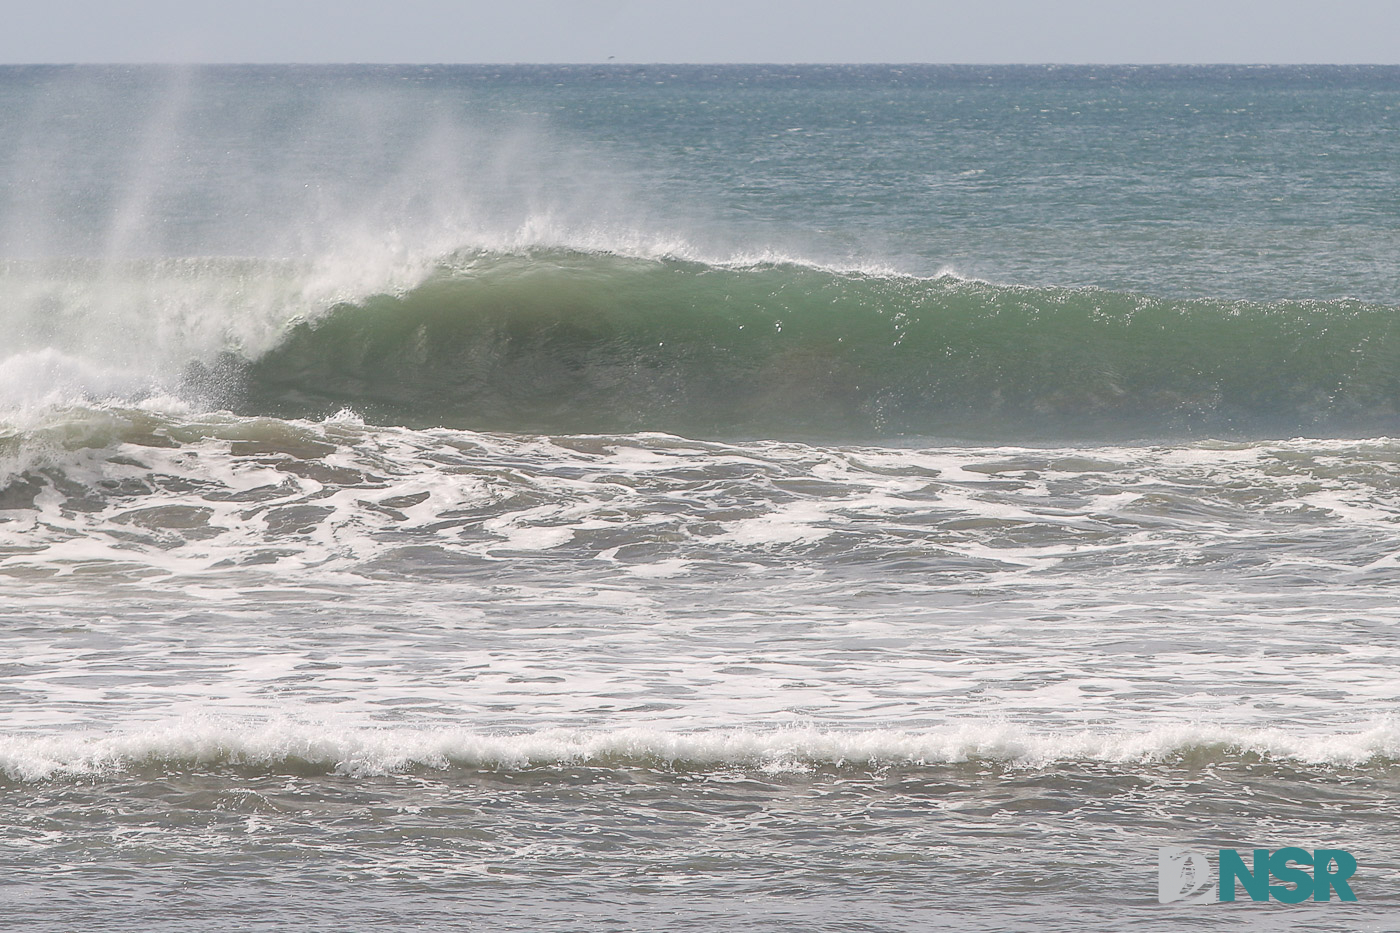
375, 751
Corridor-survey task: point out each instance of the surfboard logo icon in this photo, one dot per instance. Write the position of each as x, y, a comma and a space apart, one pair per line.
1183, 876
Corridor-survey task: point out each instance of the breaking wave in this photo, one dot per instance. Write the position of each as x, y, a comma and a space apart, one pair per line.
567, 342
561, 340
282, 746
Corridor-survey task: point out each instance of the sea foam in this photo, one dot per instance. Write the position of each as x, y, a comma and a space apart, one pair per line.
275, 746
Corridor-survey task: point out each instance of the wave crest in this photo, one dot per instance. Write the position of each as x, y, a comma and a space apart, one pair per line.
280, 746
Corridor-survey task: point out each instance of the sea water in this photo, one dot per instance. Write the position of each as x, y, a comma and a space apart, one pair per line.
635, 498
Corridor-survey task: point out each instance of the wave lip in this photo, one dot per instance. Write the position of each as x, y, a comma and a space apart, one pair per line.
278, 746
560, 341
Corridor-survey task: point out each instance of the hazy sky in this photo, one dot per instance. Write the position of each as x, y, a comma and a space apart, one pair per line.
1276, 31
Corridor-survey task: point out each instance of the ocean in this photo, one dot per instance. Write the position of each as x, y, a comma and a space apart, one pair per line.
629, 498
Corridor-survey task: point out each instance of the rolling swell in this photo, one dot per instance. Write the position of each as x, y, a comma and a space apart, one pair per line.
567, 342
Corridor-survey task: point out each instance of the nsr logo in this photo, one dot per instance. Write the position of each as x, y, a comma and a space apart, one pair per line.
1182, 873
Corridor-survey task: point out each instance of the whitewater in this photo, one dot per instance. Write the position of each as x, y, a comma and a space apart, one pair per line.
563, 497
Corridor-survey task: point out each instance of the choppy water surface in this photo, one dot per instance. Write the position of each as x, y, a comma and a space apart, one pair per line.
603, 499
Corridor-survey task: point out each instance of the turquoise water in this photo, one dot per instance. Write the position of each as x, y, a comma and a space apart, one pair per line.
853, 498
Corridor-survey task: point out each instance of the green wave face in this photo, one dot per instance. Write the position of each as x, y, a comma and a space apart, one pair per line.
571, 342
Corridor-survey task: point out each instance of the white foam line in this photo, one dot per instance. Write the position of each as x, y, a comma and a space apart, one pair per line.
368, 751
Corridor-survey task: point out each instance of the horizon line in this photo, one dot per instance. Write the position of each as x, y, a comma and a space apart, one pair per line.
691, 64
